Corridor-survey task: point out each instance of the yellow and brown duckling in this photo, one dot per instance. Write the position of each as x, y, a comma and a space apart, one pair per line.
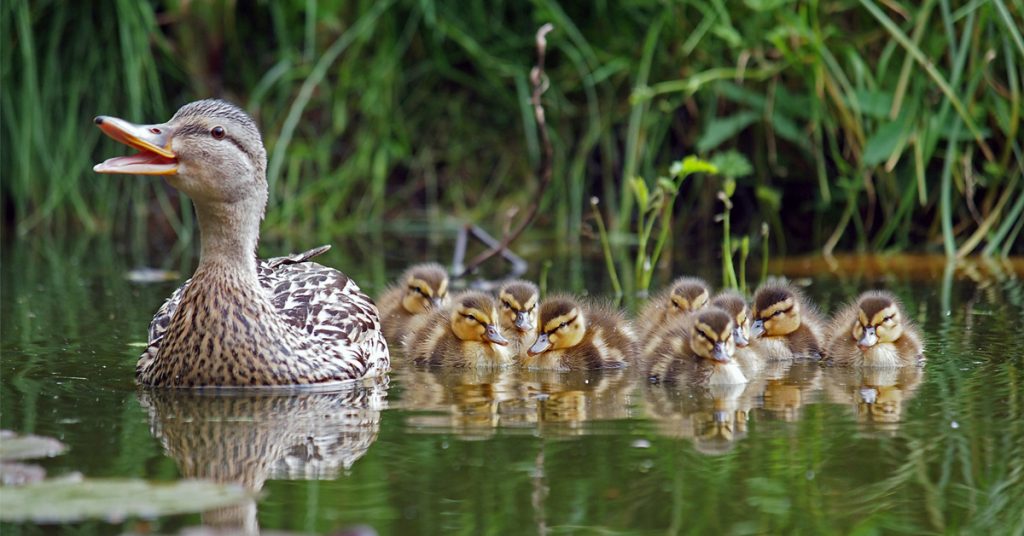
241, 321
466, 334
518, 308
786, 325
733, 303
874, 331
421, 289
578, 335
683, 296
698, 350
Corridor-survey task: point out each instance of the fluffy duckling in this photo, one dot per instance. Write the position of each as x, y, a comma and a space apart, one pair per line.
421, 289
685, 295
786, 325
698, 350
577, 335
873, 331
733, 303
517, 306
466, 334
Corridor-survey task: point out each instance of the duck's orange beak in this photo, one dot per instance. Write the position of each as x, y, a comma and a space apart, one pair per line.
155, 156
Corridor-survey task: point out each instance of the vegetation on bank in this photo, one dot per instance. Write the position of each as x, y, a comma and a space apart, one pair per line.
869, 125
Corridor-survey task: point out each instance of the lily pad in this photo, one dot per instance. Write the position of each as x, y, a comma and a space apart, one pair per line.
113, 500
28, 447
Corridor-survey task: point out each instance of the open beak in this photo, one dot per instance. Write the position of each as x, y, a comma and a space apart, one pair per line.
719, 353
492, 334
541, 345
153, 142
868, 339
741, 340
523, 321
757, 329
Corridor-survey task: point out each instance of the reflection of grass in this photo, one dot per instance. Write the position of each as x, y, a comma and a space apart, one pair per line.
385, 109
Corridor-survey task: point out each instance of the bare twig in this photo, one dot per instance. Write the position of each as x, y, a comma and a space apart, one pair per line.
539, 81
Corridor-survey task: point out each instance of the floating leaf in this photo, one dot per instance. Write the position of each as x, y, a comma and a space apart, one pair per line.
113, 500
28, 447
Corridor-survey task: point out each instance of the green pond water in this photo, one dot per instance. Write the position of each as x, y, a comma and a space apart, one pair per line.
802, 449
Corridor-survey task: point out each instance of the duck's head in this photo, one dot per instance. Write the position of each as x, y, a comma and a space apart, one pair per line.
711, 336
878, 320
688, 294
426, 288
210, 150
776, 312
474, 317
734, 304
518, 306
562, 326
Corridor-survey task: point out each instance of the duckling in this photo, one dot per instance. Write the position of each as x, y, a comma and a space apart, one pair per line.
420, 289
874, 331
464, 335
518, 309
683, 296
698, 350
786, 324
733, 303
240, 321
576, 335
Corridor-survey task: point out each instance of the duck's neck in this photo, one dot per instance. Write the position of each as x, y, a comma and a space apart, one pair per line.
229, 233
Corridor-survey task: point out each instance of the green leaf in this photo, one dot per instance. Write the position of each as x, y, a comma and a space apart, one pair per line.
883, 142
641, 192
723, 129
732, 164
690, 165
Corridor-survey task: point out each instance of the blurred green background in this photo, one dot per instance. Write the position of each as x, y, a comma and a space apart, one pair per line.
869, 125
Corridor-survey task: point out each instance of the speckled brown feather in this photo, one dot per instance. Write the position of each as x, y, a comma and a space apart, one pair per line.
305, 324
842, 350
608, 342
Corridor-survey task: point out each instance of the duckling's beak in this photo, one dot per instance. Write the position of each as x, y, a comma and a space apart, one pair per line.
436, 302
492, 334
868, 339
741, 340
719, 354
155, 156
523, 321
757, 329
541, 345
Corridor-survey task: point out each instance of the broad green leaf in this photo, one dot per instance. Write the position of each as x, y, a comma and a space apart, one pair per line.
883, 142
722, 129
690, 165
732, 164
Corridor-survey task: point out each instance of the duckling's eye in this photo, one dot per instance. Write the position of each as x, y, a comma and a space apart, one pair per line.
471, 317
888, 319
777, 313
506, 304
218, 132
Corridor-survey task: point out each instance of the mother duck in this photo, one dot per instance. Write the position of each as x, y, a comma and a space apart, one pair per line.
240, 321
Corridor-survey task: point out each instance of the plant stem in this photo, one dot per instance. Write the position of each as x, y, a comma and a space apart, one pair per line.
606, 247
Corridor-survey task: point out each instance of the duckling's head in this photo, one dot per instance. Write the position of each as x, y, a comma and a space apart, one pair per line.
688, 294
711, 336
518, 306
562, 325
426, 287
210, 150
734, 304
475, 318
878, 320
776, 312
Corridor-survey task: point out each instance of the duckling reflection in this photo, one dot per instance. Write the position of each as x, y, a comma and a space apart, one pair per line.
564, 403
468, 402
786, 388
248, 438
714, 417
876, 395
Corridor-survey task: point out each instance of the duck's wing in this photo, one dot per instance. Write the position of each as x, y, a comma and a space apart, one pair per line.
162, 318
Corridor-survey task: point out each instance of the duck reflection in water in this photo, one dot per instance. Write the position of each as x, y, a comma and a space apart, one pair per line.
787, 387
249, 437
876, 395
468, 402
714, 417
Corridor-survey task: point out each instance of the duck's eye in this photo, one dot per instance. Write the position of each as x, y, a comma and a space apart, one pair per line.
777, 313
218, 132
506, 304
889, 318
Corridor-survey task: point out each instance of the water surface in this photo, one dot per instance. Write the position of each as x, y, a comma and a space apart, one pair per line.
802, 449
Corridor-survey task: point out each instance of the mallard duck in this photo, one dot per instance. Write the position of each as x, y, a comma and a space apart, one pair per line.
786, 324
874, 331
517, 306
420, 289
698, 350
466, 334
733, 303
683, 296
240, 321
578, 335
